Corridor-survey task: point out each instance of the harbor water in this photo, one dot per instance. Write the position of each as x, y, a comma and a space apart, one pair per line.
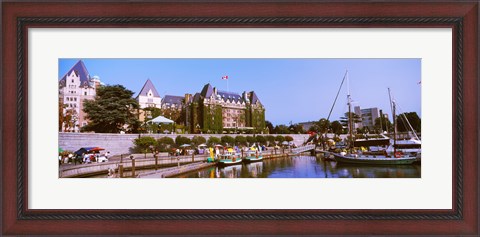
305, 167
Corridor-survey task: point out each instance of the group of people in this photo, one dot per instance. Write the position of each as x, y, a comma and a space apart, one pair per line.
65, 159
238, 150
79, 158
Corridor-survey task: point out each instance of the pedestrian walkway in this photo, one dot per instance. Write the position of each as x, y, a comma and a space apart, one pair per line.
81, 170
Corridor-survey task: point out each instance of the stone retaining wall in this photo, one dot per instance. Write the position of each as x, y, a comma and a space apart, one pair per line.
123, 143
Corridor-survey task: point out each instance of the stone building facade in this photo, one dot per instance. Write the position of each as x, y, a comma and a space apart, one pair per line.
368, 116
75, 87
148, 96
214, 111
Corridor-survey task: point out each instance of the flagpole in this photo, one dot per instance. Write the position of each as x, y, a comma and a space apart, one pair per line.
226, 78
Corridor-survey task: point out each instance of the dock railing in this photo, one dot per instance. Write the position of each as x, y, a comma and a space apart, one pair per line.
303, 149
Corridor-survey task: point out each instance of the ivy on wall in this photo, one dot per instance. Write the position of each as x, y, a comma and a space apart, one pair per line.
212, 119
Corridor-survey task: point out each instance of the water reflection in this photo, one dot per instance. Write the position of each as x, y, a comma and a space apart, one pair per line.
305, 167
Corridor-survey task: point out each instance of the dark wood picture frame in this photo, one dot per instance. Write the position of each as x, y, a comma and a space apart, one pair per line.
18, 219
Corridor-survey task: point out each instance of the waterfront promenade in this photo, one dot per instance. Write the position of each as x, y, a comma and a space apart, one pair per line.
123, 162
118, 144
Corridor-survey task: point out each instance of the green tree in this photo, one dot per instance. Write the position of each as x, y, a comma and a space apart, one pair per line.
314, 128
280, 138
269, 126
355, 118
251, 140
262, 140
61, 116
180, 140
270, 139
240, 140
112, 108
386, 125
152, 112
144, 144
337, 127
197, 140
228, 140
296, 128
164, 144
323, 125
413, 119
288, 138
212, 141
281, 129
172, 114
69, 120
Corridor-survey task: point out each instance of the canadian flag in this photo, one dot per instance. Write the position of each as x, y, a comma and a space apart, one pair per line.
225, 78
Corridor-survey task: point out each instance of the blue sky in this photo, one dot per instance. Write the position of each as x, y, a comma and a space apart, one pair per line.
292, 90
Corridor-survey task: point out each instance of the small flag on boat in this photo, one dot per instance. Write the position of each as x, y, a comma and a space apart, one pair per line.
225, 78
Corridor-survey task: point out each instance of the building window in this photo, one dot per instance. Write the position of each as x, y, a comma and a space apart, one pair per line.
85, 93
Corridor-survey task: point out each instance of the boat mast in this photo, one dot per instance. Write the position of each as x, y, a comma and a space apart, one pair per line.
333, 105
392, 104
350, 120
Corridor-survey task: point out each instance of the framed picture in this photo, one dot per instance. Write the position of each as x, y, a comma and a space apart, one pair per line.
439, 38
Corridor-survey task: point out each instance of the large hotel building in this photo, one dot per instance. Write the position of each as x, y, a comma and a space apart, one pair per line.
207, 111
210, 110
75, 87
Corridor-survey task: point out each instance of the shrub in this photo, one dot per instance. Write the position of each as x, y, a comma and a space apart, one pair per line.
197, 140
212, 141
271, 140
143, 144
228, 140
280, 138
288, 138
251, 140
240, 140
262, 140
180, 140
164, 144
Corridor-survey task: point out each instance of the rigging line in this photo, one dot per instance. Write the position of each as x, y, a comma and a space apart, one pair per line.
405, 119
336, 97
390, 98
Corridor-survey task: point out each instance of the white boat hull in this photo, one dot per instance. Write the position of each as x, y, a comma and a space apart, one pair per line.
370, 160
252, 159
229, 162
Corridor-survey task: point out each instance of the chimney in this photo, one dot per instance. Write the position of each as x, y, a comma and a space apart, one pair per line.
187, 98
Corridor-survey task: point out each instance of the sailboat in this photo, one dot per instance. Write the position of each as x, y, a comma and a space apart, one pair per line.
353, 157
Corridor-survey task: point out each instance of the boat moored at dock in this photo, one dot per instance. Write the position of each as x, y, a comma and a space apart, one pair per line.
230, 157
253, 156
398, 159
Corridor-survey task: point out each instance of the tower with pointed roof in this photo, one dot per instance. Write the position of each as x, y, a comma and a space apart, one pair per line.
148, 96
75, 87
